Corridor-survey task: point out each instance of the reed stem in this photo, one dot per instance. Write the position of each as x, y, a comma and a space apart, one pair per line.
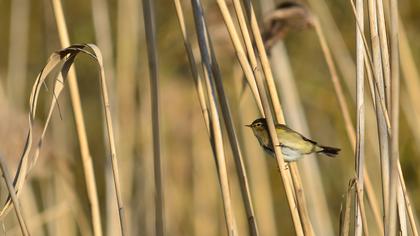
150, 30
80, 124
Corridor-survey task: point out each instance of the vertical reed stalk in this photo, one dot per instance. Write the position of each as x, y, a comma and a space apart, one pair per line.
295, 117
351, 133
102, 28
384, 49
346, 114
198, 81
129, 30
336, 83
216, 133
150, 29
233, 139
197, 162
240, 53
111, 140
391, 228
360, 113
234, 143
382, 129
297, 183
206, 198
259, 174
80, 125
229, 125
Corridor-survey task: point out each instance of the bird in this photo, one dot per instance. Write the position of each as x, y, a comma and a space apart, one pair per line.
294, 146
287, 16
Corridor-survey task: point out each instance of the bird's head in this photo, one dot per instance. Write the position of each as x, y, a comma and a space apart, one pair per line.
259, 126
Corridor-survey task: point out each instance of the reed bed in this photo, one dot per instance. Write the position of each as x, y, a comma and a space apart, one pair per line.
177, 83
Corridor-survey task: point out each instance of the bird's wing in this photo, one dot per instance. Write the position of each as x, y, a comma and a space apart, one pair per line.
294, 140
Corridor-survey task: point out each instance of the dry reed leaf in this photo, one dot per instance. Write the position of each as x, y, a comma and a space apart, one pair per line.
289, 15
60, 61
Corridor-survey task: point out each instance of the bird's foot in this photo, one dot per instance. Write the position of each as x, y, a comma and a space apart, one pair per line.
286, 167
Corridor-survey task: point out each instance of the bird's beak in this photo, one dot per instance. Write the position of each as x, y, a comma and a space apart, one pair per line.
248, 126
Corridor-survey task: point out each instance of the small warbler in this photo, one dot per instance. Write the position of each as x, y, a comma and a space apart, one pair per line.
293, 145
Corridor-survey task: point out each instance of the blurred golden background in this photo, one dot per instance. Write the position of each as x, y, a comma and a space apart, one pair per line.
54, 199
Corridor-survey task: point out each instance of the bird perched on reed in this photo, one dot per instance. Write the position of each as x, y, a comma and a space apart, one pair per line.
294, 146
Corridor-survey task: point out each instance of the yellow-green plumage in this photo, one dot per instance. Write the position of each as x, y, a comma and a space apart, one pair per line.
293, 145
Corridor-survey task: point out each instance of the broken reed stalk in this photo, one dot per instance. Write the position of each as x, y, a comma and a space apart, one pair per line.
402, 211
395, 102
345, 217
150, 30
12, 195
362, 209
80, 125
216, 132
360, 114
288, 184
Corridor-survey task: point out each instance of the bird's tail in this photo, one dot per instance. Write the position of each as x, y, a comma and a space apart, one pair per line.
329, 151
